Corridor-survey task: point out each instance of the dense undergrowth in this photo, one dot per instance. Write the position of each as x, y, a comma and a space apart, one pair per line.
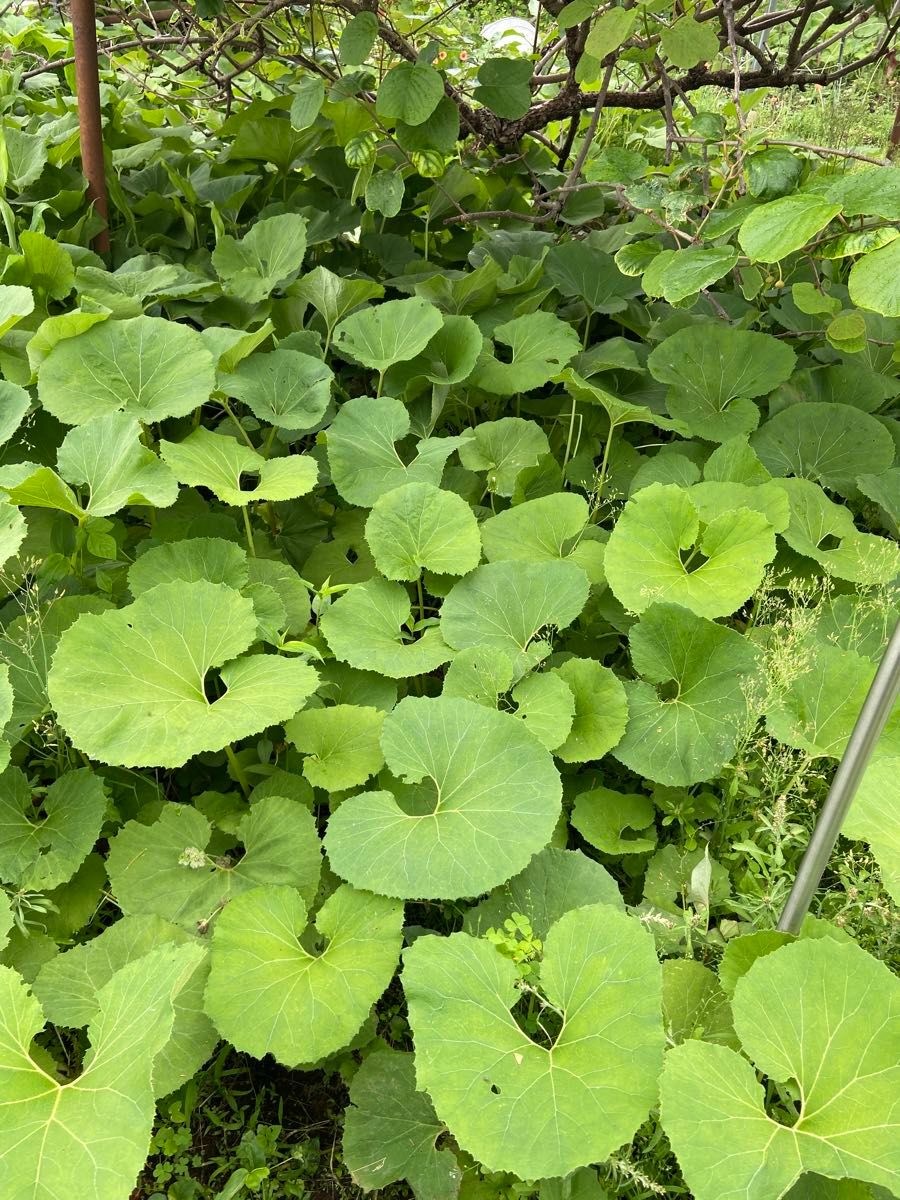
427, 643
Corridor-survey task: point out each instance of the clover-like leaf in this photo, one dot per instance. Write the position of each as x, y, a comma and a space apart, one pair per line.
548, 528
571, 1104
389, 333
147, 367
164, 868
60, 1139
365, 628
554, 882
820, 1016
829, 443
825, 532
418, 526
687, 712
218, 462
284, 388
714, 372
44, 838
362, 451
504, 449
390, 1130
69, 985
129, 685
508, 606
539, 346
267, 257
660, 549
479, 796
601, 710
341, 744
272, 991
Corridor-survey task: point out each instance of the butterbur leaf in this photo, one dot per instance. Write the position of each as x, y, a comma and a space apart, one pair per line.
479, 796
364, 628
7, 921
601, 710
362, 452
825, 531
580, 270
823, 1016
164, 869
212, 559
540, 345
59, 1139
570, 1106
694, 1005
449, 357
14, 404
409, 92
106, 457
830, 443
687, 712
549, 528
42, 845
69, 985
479, 673
128, 685
16, 302
333, 296
508, 606
7, 701
269, 994
218, 462
873, 817
660, 549
503, 449
602, 817
390, 333
267, 257
545, 704
417, 526
554, 882
341, 744
284, 388
390, 1130
147, 367
714, 372
12, 531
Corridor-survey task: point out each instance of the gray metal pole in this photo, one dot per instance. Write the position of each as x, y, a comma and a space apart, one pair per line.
871, 721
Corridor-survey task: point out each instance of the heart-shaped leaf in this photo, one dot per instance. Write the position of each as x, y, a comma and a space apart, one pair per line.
417, 526
218, 462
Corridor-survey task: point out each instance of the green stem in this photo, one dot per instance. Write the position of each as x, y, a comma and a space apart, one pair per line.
604, 465
237, 770
248, 529
380, 384
421, 598
241, 430
267, 448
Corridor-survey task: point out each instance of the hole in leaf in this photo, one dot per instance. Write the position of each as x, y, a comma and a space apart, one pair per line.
213, 687
351, 555
495, 1089
668, 691
249, 481
537, 1020
828, 542
502, 352
693, 560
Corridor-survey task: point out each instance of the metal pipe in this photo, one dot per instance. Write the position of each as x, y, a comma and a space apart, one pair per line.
87, 87
869, 724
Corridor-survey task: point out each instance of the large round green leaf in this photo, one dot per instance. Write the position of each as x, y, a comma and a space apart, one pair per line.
129, 685
365, 628
418, 526
508, 605
514, 1104
285, 388
268, 256
538, 346
272, 990
164, 868
874, 817
389, 333
212, 559
601, 710
219, 461
503, 449
714, 371
148, 367
44, 838
550, 527
73, 1138
830, 443
688, 710
661, 550
476, 796
341, 744
823, 1017
362, 453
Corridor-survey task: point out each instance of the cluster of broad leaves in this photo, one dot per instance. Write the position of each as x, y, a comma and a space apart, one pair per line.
368, 581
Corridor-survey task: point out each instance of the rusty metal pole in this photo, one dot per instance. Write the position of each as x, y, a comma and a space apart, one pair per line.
87, 86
